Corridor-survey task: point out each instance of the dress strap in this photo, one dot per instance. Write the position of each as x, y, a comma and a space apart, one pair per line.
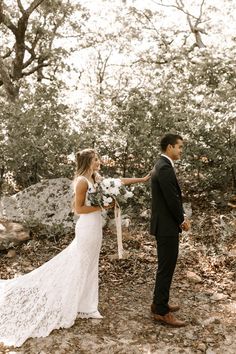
88, 181
76, 180
85, 178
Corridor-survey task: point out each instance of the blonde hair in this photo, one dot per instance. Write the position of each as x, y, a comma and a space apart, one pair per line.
84, 159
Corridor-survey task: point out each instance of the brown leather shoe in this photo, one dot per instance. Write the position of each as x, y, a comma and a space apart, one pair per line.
172, 308
169, 319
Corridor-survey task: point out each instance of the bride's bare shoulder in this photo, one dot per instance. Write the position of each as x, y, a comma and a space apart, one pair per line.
81, 182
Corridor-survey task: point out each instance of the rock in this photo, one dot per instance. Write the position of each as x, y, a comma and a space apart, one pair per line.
228, 340
232, 253
12, 235
190, 335
218, 297
201, 347
211, 320
47, 203
2, 227
11, 254
210, 351
187, 209
193, 277
125, 222
233, 295
146, 214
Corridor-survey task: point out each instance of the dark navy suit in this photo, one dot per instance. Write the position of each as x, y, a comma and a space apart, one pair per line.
166, 217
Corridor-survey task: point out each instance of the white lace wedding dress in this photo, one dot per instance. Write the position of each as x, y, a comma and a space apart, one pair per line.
53, 295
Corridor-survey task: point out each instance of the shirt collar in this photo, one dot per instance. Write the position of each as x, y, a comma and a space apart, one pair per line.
171, 161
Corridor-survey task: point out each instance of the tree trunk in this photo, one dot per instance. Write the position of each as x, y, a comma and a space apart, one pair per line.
11, 89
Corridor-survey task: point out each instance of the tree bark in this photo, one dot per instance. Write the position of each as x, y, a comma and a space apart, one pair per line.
12, 89
10, 76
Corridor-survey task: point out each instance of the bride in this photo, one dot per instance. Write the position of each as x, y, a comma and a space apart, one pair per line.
66, 287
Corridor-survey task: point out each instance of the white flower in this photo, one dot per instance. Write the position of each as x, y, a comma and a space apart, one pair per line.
107, 182
110, 186
114, 191
117, 182
108, 190
106, 200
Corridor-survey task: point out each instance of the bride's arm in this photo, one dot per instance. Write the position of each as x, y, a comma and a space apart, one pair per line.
80, 196
133, 180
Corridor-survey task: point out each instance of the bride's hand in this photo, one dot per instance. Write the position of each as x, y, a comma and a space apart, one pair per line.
147, 177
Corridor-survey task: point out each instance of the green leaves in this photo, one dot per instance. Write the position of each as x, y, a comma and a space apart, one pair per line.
37, 138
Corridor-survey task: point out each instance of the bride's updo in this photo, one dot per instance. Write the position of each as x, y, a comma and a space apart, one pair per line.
84, 159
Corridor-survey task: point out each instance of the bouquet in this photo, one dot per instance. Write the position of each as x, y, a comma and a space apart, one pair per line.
108, 190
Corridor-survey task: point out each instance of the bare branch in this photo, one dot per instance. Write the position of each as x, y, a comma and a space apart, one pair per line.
178, 7
22, 10
6, 20
103, 66
74, 35
159, 62
193, 27
31, 59
31, 50
150, 21
201, 8
200, 14
33, 6
36, 68
8, 53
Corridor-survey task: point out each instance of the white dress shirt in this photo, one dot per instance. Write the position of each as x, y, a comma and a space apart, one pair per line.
171, 161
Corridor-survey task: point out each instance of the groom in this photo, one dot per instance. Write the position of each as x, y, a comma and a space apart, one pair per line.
167, 221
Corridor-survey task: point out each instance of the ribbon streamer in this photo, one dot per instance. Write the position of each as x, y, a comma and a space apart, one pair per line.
118, 230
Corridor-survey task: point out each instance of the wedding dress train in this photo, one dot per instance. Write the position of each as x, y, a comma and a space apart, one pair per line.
53, 295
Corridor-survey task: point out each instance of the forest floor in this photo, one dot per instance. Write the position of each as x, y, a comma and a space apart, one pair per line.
208, 303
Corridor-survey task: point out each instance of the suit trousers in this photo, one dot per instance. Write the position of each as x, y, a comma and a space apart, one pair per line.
167, 255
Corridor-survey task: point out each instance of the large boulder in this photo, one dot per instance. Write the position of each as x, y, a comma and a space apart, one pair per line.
47, 203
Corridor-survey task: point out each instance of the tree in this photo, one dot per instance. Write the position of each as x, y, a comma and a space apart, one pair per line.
194, 21
30, 46
37, 138
188, 87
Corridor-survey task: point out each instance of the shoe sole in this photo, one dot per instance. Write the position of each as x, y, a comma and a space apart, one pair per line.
168, 324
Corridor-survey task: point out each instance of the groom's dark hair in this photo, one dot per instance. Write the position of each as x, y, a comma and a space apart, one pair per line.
169, 139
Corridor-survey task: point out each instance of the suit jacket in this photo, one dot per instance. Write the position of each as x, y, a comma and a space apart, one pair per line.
167, 209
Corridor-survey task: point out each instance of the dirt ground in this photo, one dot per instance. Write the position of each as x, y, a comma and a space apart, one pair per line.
126, 285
